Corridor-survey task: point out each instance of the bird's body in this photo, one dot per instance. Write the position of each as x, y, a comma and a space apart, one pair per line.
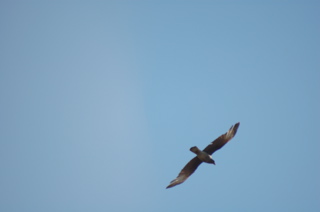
204, 155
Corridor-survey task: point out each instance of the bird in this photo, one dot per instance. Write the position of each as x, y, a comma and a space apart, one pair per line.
204, 155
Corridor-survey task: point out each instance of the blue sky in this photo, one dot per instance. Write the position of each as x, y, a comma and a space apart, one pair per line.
101, 101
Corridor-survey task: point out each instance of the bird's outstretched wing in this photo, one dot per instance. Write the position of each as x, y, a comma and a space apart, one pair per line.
211, 148
186, 172
222, 140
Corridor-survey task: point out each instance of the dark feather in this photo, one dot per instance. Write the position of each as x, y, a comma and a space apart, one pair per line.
186, 171
222, 140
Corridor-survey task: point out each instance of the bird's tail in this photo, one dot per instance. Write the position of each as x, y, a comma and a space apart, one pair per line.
232, 131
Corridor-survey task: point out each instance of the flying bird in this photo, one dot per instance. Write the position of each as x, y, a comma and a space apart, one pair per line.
204, 155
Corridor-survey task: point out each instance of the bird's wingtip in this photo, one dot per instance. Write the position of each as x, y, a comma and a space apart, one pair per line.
170, 185
233, 130
175, 182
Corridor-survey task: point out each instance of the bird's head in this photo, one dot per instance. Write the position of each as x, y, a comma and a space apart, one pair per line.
212, 161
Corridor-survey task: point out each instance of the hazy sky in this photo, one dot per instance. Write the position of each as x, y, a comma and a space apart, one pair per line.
100, 102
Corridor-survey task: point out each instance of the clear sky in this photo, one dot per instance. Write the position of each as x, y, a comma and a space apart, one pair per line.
100, 102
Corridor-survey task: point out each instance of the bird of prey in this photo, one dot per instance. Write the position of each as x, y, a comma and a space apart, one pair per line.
204, 156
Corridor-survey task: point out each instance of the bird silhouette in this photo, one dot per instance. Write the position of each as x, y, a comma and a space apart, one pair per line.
204, 155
